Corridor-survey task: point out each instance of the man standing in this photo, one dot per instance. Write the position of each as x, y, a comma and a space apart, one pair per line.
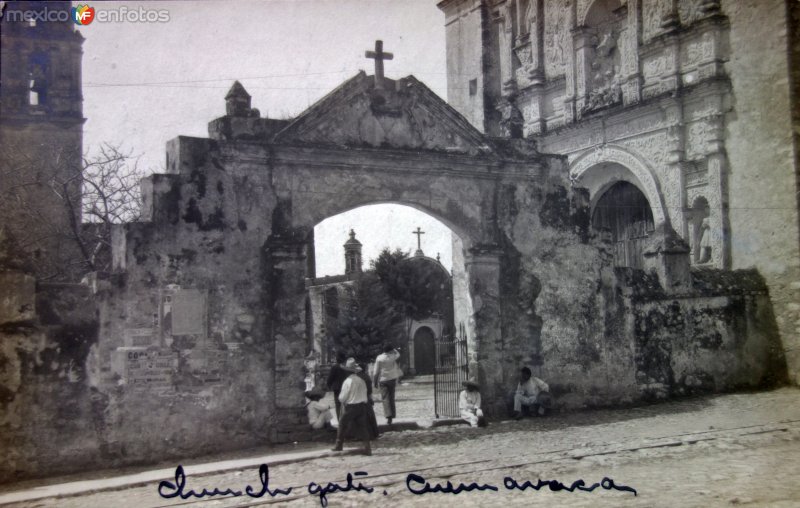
531, 392
386, 375
355, 415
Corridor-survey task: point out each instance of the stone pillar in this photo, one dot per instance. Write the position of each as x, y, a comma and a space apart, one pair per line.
484, 333
285, 264
583, 57
506, 46
536, 71
674, 187
667, 254
718, 221
631, 74
569, 75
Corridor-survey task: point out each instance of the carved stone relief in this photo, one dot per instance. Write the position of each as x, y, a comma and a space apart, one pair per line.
653, 12
652, 147
632, 127
556, 31
654, 67
604, 70
610, 153
697, 134
628, 51
695, 174
698, 50
689, 11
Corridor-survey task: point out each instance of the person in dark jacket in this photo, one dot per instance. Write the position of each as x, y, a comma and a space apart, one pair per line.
336, 377
373, 420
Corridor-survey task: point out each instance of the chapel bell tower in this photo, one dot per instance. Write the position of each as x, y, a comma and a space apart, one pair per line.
352, 254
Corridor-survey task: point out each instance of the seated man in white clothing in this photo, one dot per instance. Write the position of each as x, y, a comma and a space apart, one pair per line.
532, 393
469, 404
319, 413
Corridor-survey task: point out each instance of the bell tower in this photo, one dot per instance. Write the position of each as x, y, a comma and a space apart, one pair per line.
41, 133
352, 255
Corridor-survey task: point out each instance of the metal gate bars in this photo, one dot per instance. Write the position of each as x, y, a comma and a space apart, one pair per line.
451, 369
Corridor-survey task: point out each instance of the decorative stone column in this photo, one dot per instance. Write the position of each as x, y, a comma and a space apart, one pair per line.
631, 82
674, 186
506, 45
584, 50
484, 333
718, 221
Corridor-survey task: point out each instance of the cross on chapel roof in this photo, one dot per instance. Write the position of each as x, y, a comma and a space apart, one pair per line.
419, 232
379, 56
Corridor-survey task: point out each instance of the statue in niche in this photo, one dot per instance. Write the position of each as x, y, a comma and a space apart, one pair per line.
703, 243
511, 119
603, 81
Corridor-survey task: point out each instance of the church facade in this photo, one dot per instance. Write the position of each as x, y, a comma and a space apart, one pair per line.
670, 112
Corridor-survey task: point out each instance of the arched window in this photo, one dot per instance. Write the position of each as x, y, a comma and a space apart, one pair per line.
38, 74
624, 212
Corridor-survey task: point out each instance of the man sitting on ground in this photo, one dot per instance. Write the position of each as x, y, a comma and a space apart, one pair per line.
532, 393
469, 403
319, 413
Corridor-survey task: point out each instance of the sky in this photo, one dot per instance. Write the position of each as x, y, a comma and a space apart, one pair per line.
146, 83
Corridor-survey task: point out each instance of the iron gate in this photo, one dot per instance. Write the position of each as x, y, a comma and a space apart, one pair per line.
451, 369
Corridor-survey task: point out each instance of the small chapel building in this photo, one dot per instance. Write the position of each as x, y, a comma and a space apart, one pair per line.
329, 296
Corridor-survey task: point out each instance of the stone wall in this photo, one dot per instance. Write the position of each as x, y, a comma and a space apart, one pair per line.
763, 176
50, 412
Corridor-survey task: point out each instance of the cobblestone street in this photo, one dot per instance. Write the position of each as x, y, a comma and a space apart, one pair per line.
727, 450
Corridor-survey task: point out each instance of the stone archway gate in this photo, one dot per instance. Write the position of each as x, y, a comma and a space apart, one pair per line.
221, 261
396, 144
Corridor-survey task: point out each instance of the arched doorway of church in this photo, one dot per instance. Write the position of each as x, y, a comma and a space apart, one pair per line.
624, 212
424, 351
383, 274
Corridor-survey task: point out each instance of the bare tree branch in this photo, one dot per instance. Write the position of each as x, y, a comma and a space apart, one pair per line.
52, 188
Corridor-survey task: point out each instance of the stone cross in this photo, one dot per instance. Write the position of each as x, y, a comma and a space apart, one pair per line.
419, 232
379, 56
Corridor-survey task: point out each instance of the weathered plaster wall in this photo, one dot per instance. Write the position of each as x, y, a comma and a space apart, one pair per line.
720, 336
464, 34
563, 318
49, 409
604, 336
184, 346
763, 177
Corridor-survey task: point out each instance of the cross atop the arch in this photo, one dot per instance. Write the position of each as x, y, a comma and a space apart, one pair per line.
419, 232
379, 56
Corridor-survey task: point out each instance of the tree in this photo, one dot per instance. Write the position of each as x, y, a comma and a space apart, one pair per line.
46, 190
111, 195
382, 301
421, 287
369, 318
